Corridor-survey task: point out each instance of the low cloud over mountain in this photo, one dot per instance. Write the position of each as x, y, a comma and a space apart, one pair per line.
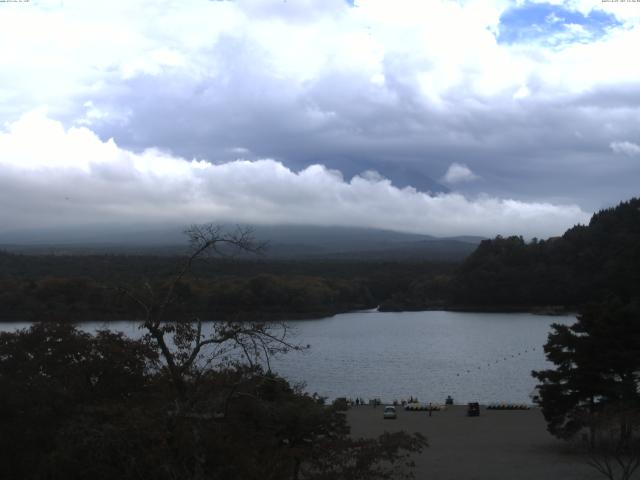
51, 177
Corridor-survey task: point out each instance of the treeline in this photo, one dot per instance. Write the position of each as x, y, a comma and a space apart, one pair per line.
93, 287
263, 296
588, 263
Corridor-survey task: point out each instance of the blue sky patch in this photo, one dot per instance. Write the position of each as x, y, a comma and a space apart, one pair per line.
552, 25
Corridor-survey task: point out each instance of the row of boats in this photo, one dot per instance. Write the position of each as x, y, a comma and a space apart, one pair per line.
424, 407
416, 406
508, 406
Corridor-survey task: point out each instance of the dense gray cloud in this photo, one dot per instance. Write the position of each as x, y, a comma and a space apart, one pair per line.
405, 88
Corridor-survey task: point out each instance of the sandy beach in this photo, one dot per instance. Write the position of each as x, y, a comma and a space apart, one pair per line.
509, 445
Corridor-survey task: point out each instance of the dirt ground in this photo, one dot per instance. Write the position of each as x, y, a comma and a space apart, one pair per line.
509, 445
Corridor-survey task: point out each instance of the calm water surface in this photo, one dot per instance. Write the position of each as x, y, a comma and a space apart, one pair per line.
484, 357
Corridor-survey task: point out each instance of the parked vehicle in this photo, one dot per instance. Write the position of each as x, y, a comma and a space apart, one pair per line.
473, 409
389, 412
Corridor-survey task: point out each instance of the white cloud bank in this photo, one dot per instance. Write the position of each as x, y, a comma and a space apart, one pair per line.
458, 173
626, 148
53, 177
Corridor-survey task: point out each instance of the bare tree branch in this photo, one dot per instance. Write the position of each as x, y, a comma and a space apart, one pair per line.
255, 341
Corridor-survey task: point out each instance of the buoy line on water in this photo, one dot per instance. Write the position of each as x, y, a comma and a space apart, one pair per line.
499, 361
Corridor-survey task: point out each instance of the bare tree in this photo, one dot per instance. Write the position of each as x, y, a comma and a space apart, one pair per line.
614, 448
183, 343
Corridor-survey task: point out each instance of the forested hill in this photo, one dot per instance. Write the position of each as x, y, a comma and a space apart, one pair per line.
67, 287
587, 263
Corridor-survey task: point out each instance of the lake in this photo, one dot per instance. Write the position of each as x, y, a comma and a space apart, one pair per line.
483, 357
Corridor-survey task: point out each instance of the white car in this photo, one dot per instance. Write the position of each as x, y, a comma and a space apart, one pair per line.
389, 412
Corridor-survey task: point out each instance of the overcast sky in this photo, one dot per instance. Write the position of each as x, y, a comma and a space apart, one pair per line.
439, 117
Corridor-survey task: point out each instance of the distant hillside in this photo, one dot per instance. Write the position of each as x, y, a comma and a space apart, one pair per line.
436, 250
361, 243
283, 242
586, 263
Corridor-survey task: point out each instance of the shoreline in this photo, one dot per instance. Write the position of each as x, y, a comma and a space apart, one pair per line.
550, 310
553, 311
